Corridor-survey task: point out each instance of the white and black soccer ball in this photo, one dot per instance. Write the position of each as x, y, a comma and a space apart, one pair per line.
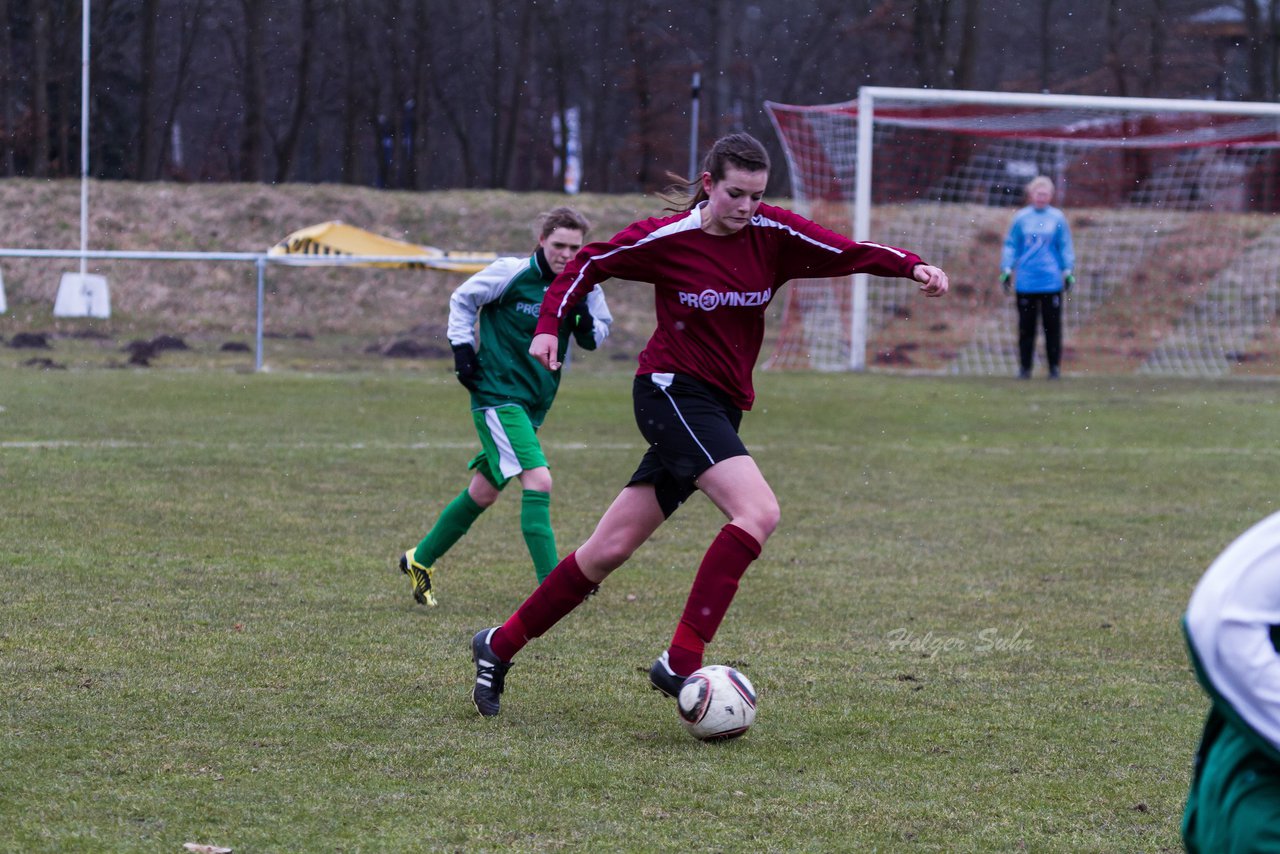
717, 703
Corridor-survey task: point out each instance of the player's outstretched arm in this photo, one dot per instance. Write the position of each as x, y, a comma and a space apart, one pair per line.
545, 348
933, 281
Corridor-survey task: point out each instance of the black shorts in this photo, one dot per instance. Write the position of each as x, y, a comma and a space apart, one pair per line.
689, 426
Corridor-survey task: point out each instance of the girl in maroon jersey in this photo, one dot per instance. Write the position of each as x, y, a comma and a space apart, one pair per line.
715, 266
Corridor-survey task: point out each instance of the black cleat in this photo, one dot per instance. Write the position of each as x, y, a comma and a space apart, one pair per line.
663, 678
491, 674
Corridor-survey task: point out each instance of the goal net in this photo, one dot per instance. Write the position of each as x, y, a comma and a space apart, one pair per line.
1171, 205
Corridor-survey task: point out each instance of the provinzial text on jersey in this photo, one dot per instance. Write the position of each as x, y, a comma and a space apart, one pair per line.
709, 300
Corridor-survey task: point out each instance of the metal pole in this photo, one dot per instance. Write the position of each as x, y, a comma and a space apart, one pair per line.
84, 136
261, 264
861, 229
693, 124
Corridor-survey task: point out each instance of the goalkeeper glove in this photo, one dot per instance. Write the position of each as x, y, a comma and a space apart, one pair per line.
1006, 280
466, 366
1068, 281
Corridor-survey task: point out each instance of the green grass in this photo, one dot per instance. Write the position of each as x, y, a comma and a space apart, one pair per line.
964, 634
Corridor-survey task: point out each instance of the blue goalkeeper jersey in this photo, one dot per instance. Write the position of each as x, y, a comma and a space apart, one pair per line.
1038, 250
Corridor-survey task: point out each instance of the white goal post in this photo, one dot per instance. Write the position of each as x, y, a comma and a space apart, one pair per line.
1171, 202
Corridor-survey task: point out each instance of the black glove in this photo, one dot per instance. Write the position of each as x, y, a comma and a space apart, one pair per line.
1006, 281
466, 366
1068, 280
583, 326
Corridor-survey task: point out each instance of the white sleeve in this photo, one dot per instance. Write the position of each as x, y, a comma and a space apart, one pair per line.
483, 287
1229, 622
599, 308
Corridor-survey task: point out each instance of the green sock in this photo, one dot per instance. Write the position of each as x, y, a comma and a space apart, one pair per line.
535, 524
453, 523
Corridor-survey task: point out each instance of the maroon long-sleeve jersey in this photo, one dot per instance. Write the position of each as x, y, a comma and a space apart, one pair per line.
711, 291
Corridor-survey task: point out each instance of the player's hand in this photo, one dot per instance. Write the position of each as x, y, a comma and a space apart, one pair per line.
933, 281
1006, 281
583, 326
545, 349
466, 366
1068, 281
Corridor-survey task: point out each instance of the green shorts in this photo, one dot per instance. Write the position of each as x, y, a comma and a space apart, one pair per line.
510, 443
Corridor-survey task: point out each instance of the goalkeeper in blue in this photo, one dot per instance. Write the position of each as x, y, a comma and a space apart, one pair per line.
1038, 261
1232, 628
510, 392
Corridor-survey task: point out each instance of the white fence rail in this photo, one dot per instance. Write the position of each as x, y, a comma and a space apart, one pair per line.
260, 260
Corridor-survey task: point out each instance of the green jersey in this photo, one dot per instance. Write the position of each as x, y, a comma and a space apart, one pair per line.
1234, 802
505, 298
1232, 627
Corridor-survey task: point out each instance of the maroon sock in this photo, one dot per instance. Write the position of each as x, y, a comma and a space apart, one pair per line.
731, 552
561, 592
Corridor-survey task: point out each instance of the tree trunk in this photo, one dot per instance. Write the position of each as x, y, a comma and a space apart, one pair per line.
40, 90
287, 148
1113, 37
511, 112
148, 70
1254, 53
470, 166
1155, 49
418, 113
1273, 29
966, 68
189, 31
253, 91
640, 65
7, 161
559, 59
353, 44
931, 26
719, 86
1046, 43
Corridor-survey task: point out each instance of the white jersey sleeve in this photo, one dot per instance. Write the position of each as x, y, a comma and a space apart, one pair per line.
600, 314
482, 288
1229, 622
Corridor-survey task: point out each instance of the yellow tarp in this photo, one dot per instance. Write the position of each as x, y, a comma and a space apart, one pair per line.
338, 238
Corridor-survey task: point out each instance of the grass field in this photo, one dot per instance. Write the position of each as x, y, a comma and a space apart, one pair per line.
964, 635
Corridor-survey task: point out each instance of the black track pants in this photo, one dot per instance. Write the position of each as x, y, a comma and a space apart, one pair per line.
1049, 307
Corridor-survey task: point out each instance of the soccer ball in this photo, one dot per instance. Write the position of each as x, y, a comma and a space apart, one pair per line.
717, 703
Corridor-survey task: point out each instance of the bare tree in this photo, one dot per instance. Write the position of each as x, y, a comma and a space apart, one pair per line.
1273, 28
467, 92
930, 29
554, 20
420, 111
354, 45
1046, 44
6, 89
189, 29
286, 145
965, 70
1255, 45
639, 44
1157, 31
40, 90
253, 86
507, 95
1114, 33
149, 74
